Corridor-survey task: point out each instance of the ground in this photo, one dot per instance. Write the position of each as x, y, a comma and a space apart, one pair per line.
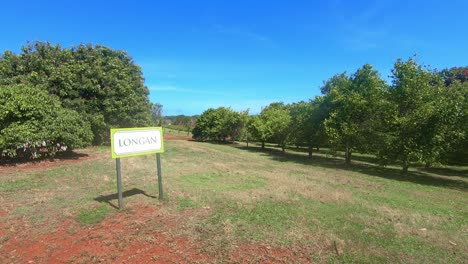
138, 234
228, 203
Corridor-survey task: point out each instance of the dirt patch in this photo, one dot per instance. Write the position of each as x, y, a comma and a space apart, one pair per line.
261, 253
135, 236
72, 158
141, 234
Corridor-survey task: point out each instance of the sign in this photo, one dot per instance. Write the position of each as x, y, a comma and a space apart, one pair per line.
128, 142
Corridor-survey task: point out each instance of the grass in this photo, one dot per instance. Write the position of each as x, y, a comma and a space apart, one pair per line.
220, 182
176, 131
89, 216
235, 195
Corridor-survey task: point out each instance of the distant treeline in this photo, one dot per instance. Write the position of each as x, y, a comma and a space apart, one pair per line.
421, 116
180, 120
52, 98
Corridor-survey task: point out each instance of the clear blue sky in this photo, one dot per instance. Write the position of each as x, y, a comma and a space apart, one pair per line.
246, 54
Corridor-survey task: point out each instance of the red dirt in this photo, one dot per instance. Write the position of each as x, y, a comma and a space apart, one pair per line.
135, 236
140, 234
45, 164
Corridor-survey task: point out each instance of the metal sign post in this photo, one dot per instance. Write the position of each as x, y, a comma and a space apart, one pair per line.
158, 161
129, 142
119, 182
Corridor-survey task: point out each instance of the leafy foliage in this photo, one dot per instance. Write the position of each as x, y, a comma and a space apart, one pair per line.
422, 116
156, 114
218, 124
272, 125
307, 123
32, 122
103, 85
454, 74
354, 109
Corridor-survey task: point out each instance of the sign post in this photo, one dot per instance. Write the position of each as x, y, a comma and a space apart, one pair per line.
129, 142
158, 161
119, 182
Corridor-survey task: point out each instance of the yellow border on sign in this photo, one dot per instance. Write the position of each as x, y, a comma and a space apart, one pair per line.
113, 130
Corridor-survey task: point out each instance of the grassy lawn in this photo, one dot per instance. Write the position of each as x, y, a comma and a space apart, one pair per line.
225, 196
176, 132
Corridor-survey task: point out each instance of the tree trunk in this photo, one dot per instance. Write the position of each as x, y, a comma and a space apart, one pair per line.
348, 154
310, 151
428, 165
282, 148
405, 167
263, 144
247, 143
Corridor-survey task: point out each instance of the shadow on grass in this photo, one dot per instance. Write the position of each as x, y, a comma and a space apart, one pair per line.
326, 151
108, 198
448, 171
417, 177
68, 155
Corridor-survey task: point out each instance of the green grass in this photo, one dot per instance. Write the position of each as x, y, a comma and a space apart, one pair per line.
19, 184
222, 182
91, 216
227, 195
186, 203
176, 131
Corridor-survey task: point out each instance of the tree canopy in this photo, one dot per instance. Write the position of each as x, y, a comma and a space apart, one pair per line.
89, 84
103, 85
218, 124
420, 117
32, 121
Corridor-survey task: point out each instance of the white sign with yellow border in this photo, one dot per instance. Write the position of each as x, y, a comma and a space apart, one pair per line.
128, 142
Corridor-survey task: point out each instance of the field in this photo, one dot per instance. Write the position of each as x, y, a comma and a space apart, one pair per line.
230, 203
174, 133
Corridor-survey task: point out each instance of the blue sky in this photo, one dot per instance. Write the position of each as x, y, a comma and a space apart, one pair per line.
246, 54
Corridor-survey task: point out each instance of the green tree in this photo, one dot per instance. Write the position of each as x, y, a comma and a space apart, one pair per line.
415, 131
103, 85
156, 113
272, 125
453, 74
218, 124
448, 142
31, 121
354, 101
456, 81
259, 130
239, 125
307, 123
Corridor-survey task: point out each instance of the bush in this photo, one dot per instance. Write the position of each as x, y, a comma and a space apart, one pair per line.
33, 123
103, 85
218, 124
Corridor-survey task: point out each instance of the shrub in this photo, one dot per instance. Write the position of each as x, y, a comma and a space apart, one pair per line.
33, 123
